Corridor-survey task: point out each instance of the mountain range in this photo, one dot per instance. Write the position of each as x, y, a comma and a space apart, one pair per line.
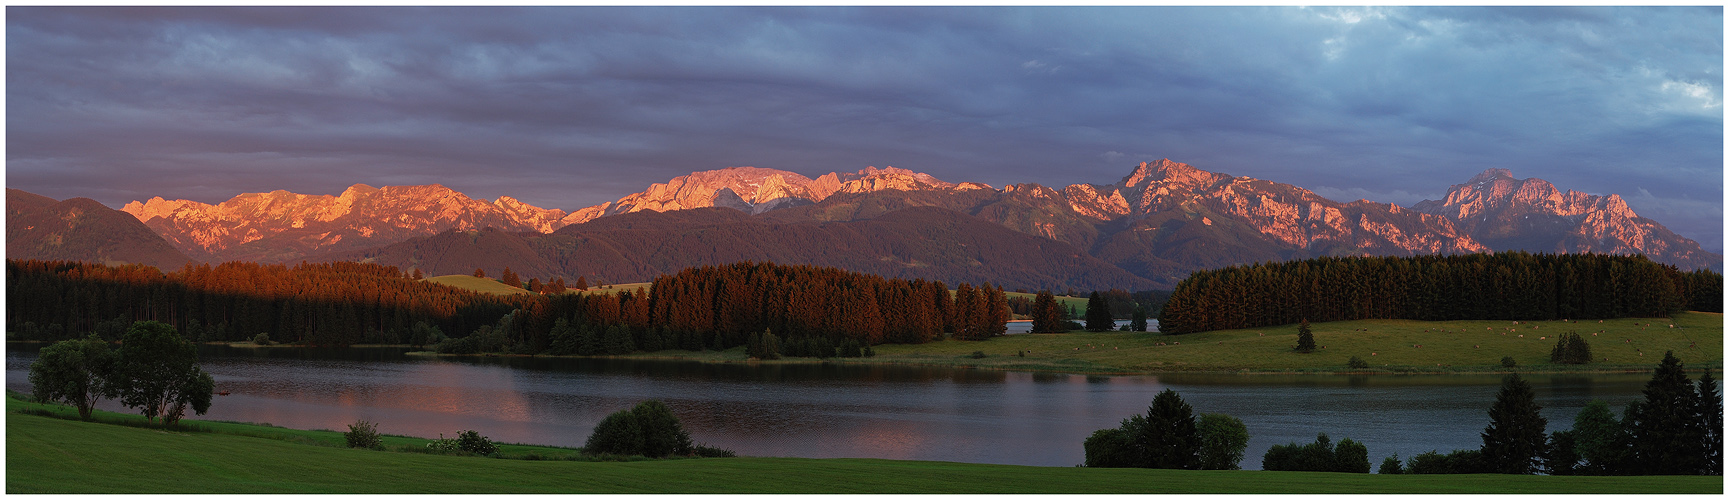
1148, 230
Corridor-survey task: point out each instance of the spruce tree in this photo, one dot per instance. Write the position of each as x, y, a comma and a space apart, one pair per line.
1711, 416
1046, 315
1514, 440
1668, 437
1098, 313
1171, 439
1305, 338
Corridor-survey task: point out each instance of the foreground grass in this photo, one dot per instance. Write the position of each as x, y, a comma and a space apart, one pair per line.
1389, 346
51, 455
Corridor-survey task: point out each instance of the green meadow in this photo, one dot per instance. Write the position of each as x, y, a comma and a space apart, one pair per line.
1388, 346
54, 455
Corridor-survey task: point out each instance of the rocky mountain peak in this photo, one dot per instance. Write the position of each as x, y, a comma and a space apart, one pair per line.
1164, 170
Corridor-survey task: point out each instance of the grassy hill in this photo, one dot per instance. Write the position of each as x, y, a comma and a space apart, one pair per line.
482, 285
53, 455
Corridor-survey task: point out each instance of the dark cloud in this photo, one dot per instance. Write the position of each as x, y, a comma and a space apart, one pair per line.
569, 107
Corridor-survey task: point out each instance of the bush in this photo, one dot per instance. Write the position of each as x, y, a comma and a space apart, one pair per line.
1110, 448
261, 339
1319, 456
1457, 462
363, 434
978, 355
1358, 363
473, 442
465, 442
711, 452
650, 429
1506, 362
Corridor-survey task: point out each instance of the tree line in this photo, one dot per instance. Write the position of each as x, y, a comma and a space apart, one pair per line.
1506, 285
810, 308
337, 303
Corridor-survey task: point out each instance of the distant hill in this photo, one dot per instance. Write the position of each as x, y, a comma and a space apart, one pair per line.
919, 242
81, 229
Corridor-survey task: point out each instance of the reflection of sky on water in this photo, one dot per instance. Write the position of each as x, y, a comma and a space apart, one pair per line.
849, 411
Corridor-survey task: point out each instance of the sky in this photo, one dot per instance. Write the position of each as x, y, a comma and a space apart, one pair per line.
568, 107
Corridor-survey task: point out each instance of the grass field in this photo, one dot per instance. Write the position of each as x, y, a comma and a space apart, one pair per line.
1389, 346
52, 455
483, 285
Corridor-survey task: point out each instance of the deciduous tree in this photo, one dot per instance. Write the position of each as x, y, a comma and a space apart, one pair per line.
75, 372
157, 373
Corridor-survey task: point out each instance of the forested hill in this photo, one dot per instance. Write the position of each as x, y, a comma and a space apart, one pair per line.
1507, 285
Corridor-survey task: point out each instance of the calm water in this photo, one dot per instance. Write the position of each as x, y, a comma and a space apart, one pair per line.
823, 411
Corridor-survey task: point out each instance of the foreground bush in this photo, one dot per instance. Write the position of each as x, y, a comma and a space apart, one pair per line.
363, 434
1319, 456
466, 441
650, 429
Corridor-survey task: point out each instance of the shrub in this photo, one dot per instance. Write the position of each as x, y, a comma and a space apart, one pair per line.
261, 339
711, 452
978, 355
1358, 363
1110, 448
650, 429
1506, 362
363, 434
1457, 462
473, 442
1319, 456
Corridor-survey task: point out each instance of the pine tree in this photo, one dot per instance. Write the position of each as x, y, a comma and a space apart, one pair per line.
1046, 315
1514, 440
1138, 321
1305, 338
1170, 439
1668, 437
1711, 417
1098, 313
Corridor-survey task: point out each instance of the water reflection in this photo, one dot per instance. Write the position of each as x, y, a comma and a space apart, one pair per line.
839, 410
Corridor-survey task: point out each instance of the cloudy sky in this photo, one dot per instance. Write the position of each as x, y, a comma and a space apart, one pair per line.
571, 107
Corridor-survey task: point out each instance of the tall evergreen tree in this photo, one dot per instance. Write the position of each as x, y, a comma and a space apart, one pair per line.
1668, 437
510, 278
1098, 313
1305, 337
1711, 417
1138, 320
1046, 315
1515, 439
1171, 439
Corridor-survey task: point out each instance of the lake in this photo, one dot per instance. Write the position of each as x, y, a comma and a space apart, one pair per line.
836, 410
